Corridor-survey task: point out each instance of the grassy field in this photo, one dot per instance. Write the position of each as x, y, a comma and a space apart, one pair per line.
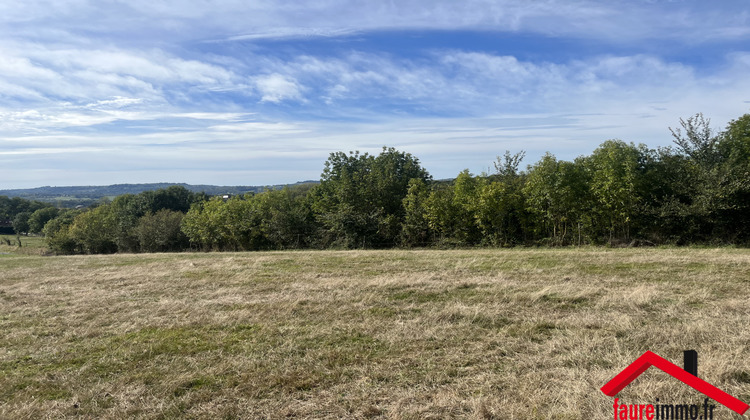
508, 334
30, 245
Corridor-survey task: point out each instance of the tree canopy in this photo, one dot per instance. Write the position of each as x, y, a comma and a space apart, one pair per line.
697, 191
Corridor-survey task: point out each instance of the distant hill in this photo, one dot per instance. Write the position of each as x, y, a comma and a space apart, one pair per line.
85, 195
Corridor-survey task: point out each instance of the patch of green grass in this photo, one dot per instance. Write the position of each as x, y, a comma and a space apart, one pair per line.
420, 296
564, 302
29, 245
490, 323
536, 332
195, 384
152, 342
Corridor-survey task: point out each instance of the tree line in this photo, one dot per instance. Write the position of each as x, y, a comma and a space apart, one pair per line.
74, 196
18, 215
696, 191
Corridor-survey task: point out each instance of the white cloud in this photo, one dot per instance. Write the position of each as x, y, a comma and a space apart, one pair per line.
462, 84
143, 21
52, 151
62, 72
116, 84
276, 88
116, 103
292, 33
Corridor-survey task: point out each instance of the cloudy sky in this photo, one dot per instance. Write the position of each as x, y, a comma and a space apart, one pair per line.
255, 92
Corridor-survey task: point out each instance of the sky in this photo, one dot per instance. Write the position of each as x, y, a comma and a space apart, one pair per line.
260, 92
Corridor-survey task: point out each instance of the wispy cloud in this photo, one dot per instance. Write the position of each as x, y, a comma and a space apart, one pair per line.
245, 20
276, 88
291, 33
261, 92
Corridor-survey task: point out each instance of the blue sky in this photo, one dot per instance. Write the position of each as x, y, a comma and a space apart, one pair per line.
260, 92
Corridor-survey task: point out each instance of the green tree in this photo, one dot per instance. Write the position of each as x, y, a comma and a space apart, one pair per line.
416, 228
697, 141
668, 187
21, 222
342, 203
466, 190
510, 222
451, 211
94, 231
613, 170
234, 224
507, 165
17, 211
10, 207
40, 217
175, 197
199, 227
733, 178
57, 233
718, 174
160, 231
492, 206
557, 195
443, 216
126, 210
359, 201
286, 218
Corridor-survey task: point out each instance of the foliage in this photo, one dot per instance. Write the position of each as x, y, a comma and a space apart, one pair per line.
359, 202
15, 213
21, 222
39, 218
695, 192
557, 193
416, 230
160, 231
234, 224
697, 141
57, 233
94, 231
130, 223
286, 217
613, 170
507, 166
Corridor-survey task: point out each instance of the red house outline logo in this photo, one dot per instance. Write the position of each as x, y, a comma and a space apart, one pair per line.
649, 359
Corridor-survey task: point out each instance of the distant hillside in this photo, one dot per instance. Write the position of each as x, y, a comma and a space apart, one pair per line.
84, 195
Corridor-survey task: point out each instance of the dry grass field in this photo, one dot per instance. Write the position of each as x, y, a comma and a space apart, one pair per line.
507, 334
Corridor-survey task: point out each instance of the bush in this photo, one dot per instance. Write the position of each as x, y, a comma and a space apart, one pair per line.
160, 232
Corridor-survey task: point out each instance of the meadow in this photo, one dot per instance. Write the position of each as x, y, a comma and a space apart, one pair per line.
402, 334
30, 245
